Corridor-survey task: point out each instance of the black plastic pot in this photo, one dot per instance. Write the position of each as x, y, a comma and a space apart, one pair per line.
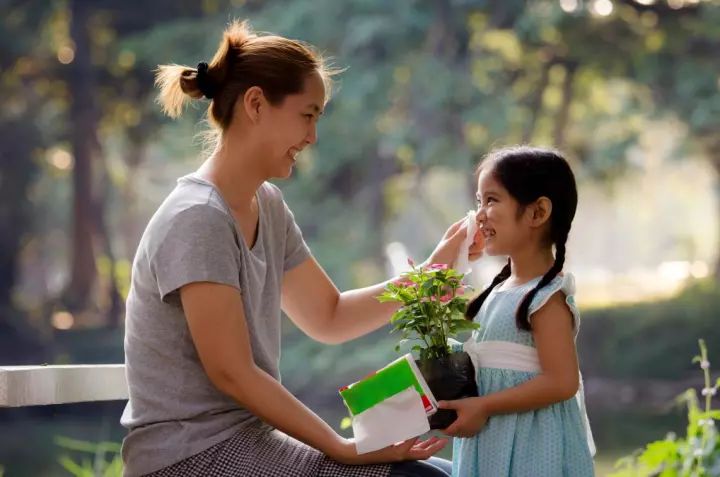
451, 377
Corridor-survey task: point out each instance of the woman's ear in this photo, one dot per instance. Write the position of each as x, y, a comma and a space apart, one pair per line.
541, 211
253, 103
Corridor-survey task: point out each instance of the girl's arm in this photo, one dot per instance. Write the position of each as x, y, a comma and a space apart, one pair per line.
554, 338
317, 307
219, 331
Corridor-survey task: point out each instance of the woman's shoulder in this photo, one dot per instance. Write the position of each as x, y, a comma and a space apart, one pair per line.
273, 203
271, 194
271, 189
192, 191
191, 211
196, 203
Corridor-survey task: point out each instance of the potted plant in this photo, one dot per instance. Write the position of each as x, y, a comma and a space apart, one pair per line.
432, 312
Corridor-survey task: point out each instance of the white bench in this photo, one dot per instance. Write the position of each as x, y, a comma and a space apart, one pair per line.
61, 384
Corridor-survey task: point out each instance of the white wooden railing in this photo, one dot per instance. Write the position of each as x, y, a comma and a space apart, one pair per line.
61, 384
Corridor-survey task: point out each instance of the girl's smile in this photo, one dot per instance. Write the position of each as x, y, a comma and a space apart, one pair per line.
497, 216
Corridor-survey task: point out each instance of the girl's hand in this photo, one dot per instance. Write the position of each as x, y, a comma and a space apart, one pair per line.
447, 249
412, 449
472, 416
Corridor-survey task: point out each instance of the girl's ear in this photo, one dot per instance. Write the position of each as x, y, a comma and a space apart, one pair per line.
253, 103
540, 211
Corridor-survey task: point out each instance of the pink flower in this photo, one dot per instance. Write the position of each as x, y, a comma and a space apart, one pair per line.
438, 266
410, 262
404, 282
446, 298
460, 291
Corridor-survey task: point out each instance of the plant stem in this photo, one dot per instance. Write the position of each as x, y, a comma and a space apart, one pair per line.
708, 400
706, 372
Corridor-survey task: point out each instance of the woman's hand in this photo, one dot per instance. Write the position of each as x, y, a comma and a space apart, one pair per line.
477, 247
448, 248
471, 416
412, 449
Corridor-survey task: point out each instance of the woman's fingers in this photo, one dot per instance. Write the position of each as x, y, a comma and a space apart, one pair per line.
447, 249
411, 449
426, 443
455, 240
454, 228
476, 249
475, 256
404, 447
459, 235
428, 451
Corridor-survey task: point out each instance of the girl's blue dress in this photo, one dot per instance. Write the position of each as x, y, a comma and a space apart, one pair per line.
550, 442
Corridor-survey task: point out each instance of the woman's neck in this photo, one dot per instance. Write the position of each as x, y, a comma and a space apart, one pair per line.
530, 263
233, 168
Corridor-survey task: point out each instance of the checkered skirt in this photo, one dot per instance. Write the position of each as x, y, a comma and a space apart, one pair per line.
257, 452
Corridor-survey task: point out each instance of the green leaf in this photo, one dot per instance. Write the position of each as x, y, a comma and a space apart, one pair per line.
464, 325
388, 298
72, 467
658, 452
115, 468
345, 423
88, 447
676, 456
401, 314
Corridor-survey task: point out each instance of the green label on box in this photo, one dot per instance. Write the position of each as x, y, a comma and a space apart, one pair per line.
385, 383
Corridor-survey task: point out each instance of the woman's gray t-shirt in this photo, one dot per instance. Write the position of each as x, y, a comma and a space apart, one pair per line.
174, 411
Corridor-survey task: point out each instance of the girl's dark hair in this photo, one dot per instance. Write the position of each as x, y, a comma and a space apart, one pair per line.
278, 65
528, 173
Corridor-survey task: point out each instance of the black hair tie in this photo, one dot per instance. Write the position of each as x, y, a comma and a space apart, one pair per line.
204, 82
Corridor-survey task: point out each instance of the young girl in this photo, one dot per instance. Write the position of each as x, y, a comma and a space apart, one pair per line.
218, 261
529, 419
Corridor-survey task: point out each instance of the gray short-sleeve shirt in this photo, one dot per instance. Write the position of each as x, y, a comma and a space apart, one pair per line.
174, 411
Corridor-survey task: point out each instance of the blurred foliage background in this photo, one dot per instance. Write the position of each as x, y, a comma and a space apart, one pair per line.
628, 89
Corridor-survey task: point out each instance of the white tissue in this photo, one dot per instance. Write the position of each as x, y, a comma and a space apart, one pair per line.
462, 264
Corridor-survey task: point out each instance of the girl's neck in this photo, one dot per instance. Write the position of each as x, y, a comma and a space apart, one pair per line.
234, 168
530, 263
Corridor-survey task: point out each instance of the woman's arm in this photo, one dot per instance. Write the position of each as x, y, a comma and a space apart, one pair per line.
217, 324
317, 307
554, 338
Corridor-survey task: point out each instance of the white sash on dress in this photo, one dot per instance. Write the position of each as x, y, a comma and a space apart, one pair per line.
519, 357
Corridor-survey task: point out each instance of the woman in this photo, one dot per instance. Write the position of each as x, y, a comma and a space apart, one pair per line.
218, 261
